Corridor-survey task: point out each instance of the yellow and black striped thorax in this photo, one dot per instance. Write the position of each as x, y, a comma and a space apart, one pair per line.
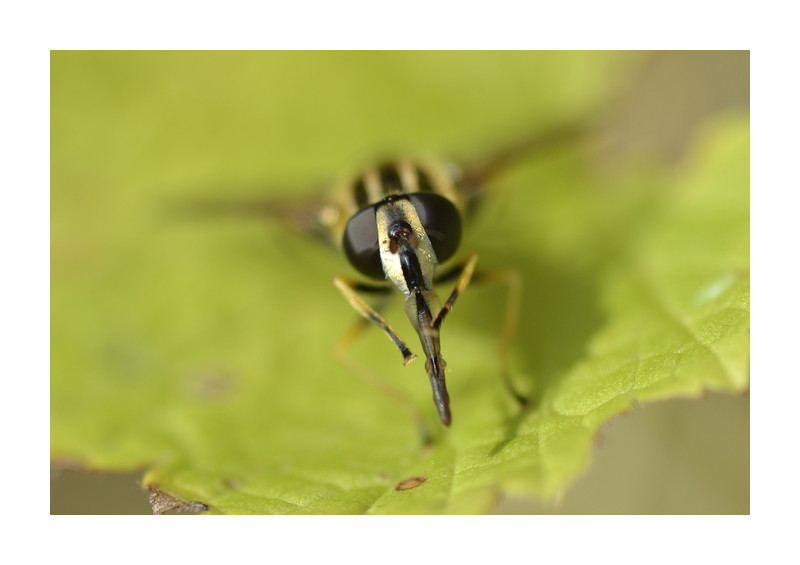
416, 195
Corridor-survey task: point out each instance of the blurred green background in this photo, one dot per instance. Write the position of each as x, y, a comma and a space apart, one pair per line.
129, 129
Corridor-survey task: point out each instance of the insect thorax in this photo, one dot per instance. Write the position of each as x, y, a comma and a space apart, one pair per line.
373, 183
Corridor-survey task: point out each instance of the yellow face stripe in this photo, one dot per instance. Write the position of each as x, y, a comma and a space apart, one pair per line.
388, 214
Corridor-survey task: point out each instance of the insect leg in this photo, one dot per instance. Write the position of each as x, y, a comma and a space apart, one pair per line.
369, 377
348, 289
466, 272
513, 280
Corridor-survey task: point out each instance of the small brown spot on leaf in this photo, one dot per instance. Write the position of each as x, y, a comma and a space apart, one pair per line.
162, 502
413, 482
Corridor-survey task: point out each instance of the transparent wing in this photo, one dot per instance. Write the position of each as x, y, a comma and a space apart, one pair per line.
475, 175
304, 213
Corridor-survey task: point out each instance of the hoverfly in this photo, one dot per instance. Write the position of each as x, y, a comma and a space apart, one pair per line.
397, 222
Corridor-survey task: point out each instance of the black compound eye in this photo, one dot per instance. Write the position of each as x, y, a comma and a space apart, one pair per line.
360, 244
441, 220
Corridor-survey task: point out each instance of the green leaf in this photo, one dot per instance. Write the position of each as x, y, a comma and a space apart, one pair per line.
202, 351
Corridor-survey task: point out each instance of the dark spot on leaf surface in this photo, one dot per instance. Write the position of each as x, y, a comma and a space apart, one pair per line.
413, 482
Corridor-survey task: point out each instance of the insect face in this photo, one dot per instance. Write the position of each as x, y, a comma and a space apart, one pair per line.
439, 217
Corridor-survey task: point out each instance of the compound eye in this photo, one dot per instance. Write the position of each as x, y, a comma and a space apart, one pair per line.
360, 244
441, 220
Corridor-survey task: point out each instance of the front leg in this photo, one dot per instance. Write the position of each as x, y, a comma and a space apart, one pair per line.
464, 271
348, 288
